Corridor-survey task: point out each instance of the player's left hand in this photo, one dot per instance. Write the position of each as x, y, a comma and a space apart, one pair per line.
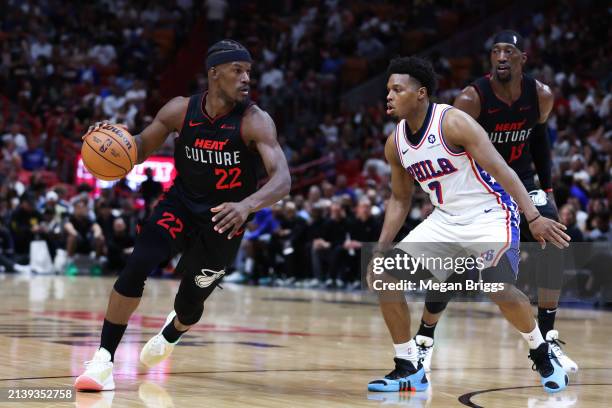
229, 215
544, 229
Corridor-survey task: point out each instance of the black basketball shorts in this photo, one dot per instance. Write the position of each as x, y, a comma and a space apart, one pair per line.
206, 254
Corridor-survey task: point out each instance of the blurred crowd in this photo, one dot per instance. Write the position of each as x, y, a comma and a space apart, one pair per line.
66, 66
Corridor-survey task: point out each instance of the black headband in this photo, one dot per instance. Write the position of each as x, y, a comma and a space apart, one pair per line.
509, 37
225, 56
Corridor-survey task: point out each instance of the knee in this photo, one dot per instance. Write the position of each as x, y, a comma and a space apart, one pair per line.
131, 281
150, 251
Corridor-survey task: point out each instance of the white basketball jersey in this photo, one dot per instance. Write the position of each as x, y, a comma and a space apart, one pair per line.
454, 181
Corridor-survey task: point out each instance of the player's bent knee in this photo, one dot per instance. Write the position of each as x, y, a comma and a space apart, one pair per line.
151, 249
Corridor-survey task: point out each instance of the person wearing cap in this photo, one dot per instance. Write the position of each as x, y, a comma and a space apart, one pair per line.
513, 108
203, 214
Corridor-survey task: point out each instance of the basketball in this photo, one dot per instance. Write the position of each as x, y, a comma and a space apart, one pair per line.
109, 153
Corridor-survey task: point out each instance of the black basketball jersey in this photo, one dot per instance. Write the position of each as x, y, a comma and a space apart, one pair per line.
213, 163
510, 126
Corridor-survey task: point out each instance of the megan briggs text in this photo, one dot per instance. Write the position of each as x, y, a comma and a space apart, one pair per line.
405, 285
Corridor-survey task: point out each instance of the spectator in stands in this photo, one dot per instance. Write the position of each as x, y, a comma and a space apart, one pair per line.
314, 195
40, 47
50, 231
567, 216
34, 158
150, 190
83, 235
328, 237
600, 228
120, 244
215, 17
113, 102
13, 184
329, 130
105, 218
343, 188
10, 156
327, 190
18, 138
24, 224
363, 228
291, 237
370, 47
8, 262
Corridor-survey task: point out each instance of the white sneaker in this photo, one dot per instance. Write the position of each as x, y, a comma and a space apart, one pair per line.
157, 348
98, 375
552, 338
235, 277
425, 350
23, 269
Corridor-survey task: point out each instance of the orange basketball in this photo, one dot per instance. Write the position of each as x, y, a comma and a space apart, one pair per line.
109, 153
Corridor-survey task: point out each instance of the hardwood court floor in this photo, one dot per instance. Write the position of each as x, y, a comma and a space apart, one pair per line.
262, 347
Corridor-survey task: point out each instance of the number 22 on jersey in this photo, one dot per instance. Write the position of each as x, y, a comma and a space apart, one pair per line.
228, 178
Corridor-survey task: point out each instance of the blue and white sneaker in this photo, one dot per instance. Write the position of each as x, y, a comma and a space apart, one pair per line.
405, 377
554, 378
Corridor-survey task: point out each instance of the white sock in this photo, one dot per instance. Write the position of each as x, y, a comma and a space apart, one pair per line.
407, 351
533, 338
249, 263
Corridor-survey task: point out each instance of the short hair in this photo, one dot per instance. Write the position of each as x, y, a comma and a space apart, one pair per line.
418, 68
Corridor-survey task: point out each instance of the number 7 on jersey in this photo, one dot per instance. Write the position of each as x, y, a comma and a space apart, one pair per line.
435, 185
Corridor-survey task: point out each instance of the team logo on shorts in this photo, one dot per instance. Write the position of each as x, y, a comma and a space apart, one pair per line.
207, 277
431, 138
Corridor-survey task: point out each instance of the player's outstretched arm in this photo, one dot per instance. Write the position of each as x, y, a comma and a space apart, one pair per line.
461, 130
402, 187
168, 119
257, 128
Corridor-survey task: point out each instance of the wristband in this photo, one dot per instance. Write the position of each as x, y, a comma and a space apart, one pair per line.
548, 190
538, 216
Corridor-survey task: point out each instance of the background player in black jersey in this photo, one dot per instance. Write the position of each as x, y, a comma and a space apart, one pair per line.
202, 214
513, 108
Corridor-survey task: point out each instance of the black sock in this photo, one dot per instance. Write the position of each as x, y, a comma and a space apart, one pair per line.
171, 334
546, 320
111, 336
426, 329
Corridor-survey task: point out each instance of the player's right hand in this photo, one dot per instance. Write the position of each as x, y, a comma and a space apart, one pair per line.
94, 127
98, 125
544, 229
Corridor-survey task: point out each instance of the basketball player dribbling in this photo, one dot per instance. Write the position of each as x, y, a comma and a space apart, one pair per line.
203, 213
472, 190
513, 108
